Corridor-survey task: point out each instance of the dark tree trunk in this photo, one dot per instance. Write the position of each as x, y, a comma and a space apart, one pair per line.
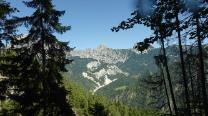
201, 61
166, 90
43, 53
192, 87
168, 77
185, 83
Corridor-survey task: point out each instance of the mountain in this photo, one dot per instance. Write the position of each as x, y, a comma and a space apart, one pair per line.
113, 72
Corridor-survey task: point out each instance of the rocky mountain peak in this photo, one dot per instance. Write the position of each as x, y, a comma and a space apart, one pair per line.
102, 47
102, 53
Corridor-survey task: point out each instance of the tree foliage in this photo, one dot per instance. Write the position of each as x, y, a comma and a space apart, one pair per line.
167, 19
34, 69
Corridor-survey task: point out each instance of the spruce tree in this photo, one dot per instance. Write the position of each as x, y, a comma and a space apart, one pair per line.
5, 10
35, 74
7, 30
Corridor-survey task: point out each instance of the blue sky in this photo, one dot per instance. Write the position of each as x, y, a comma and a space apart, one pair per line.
91, 21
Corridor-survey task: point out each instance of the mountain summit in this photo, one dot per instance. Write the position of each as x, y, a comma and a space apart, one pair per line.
102, 47
102, 54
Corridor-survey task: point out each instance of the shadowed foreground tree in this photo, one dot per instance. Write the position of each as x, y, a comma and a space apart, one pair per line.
165, 17
177, 9
6, 32
198, 22
159, 21
35, 75
5, 29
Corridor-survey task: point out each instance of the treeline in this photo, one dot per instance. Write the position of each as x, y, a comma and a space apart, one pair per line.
86, 104
181, 21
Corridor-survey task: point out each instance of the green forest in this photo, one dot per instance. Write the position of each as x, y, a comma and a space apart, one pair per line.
40, 75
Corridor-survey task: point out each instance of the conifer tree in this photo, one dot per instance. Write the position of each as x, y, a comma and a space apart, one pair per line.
198, 23
177, 9
160, 22
35, 74
5, 10
7, 31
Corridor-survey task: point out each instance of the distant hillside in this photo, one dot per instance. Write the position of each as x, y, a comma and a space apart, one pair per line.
112, 72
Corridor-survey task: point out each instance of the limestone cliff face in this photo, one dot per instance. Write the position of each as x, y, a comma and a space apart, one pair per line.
103, 69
